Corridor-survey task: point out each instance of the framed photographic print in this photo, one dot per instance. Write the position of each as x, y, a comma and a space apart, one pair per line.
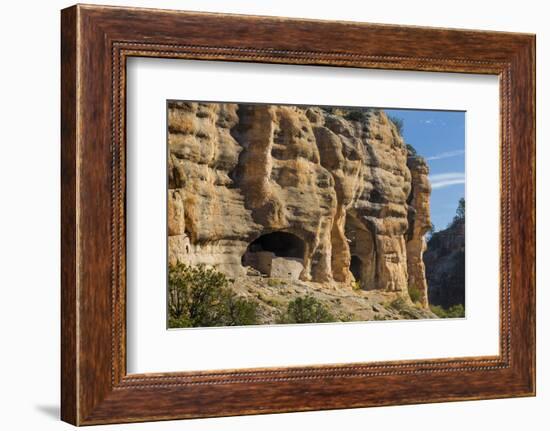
279, 215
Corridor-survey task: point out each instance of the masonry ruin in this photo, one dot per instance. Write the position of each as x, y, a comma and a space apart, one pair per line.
277, 255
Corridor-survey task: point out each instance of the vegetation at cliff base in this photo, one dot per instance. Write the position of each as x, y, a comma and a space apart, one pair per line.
307, 309
200, 296
454, 311
415, 294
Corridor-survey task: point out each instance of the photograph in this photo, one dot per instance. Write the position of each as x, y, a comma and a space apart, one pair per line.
293, 214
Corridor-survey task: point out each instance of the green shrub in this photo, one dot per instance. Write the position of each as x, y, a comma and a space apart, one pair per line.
398, 304
355, 115
275, 282
415, 294
438, 310
200, 296
411, 150
272, 302
347, 317
399, 125
241, 312
455, 311
307, 309
178, 322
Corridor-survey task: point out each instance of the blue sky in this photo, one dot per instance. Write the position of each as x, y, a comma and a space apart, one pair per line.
439, 136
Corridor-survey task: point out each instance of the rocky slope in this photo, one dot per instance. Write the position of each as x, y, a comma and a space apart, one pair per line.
345, 304
341, 182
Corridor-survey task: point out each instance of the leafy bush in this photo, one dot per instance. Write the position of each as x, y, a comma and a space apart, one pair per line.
272, 302
241, 312
307, 309
347, 317
411, 150
454, 311
355, 115
398, 304
415, 294
399, 125
200, 296
275, 282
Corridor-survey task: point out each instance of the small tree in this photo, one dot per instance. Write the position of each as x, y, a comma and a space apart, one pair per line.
200, 296
398, 123
461, 210
411, 150
460, 215
307, 310
355, 115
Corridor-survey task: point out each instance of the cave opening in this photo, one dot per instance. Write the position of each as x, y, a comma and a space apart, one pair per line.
363, 252
276, 254
281, 244
356, 267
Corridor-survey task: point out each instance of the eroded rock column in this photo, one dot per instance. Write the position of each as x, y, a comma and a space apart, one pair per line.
419, 225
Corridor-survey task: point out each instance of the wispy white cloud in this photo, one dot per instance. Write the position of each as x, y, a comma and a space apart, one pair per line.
440, 181
447, 183
446, 155
446, 176
433, 122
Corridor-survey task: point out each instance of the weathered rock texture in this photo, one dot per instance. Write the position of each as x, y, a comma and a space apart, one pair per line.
445, 265
419, 225
339, 180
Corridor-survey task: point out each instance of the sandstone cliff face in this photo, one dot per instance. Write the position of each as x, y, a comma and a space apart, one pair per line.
419, 224
340, 181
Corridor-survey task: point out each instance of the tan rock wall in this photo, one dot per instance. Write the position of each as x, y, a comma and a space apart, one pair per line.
419, 224
339, 182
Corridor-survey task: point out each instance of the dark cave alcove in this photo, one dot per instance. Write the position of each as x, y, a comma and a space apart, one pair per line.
356, 267
363, 252
282, 244
261, 252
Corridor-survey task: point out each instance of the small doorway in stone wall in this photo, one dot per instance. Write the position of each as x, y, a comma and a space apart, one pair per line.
276, 254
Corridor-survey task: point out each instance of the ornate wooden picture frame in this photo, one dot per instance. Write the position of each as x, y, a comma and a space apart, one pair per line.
96, 41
